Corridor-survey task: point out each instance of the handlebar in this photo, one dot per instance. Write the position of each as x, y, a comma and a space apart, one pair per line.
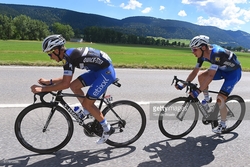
189, 85
42, 94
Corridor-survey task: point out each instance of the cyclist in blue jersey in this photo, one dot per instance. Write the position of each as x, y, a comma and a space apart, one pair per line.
100, 74
224, 65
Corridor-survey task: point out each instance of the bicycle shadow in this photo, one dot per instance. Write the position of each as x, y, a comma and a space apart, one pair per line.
70, 158
190, 151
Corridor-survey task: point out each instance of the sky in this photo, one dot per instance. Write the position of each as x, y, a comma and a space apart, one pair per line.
225, 14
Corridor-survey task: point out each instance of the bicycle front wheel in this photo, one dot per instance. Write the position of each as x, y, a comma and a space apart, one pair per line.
178, 118
40, 131
236, 109
129, 121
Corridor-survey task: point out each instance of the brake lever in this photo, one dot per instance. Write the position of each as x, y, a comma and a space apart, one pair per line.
175, 79
187, 89
172, 82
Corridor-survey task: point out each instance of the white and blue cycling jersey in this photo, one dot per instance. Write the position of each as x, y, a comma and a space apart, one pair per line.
221, 59
85, 58
100, 73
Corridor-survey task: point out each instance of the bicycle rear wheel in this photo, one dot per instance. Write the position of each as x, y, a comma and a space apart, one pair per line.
130, 127
32, 133
236, 111
173, 126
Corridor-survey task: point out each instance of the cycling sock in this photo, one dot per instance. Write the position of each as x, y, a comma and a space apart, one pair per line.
105, 125
206, 95
223, 123
85, 112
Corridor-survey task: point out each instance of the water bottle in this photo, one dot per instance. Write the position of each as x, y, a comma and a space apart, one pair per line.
205, 105
79, 112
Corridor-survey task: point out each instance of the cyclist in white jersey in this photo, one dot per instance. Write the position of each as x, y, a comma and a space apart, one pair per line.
224, 65
100, 74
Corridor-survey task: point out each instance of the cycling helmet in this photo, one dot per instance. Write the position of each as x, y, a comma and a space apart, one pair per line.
198, 41
52, 41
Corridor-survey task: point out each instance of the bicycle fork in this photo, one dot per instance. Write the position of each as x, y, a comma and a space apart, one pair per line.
49, 119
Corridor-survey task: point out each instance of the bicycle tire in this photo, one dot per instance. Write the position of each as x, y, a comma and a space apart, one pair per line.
134, 118
236, 111
172, 127
29, 126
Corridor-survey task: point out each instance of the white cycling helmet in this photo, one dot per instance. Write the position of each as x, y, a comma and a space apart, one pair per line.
52, 41
198, 41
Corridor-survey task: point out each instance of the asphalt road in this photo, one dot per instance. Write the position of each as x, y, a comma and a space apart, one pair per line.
200, 148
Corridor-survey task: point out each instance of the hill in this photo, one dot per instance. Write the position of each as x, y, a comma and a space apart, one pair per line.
141, 26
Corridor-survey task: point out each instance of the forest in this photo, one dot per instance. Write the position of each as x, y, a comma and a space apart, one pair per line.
23, 27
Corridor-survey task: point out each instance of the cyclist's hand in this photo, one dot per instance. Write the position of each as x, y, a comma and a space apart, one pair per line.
36, 89
179, 87
43, 81
195, 93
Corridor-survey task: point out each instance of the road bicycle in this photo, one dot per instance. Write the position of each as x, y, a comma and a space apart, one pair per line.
47, 126
180, 115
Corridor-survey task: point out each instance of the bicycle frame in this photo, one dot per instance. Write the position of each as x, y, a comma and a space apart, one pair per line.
185, 106
58, 98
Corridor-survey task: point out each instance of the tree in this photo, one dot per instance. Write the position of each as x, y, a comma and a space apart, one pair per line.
65, 30
21, 27
6, 27
37, 30
29, 29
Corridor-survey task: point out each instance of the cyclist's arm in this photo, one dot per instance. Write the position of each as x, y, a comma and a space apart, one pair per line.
43, 81
61, 84
196, 69
193, 74
64, 84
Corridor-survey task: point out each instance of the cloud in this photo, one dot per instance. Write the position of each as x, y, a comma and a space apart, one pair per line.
182, 13
132, 4
146, 10
185, 2
223, 13
162, 8
213, 21
105, 1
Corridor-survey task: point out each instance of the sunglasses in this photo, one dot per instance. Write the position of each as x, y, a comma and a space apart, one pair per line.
194, 49
50, 52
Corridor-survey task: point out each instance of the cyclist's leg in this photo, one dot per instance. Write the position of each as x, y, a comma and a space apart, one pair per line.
83, 80
103, 79
231, 78
201, 77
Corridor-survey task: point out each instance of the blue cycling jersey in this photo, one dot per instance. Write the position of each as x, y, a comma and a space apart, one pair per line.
221, 58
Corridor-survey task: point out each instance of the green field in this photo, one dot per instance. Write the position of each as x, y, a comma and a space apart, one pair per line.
14, 52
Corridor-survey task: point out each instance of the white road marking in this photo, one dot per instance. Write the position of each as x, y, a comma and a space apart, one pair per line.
139, 102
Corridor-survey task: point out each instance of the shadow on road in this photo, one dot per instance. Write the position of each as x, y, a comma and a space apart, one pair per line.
186, 152
69, 158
